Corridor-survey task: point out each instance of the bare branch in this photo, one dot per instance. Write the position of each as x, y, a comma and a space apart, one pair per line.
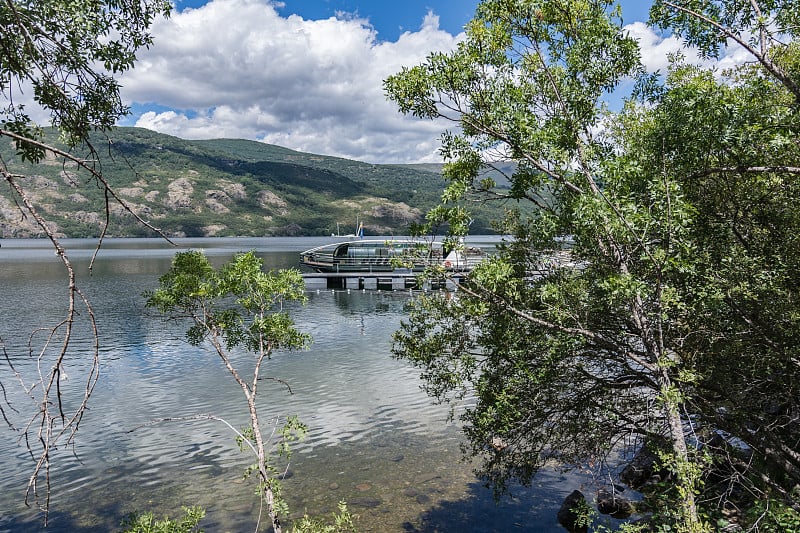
202, 416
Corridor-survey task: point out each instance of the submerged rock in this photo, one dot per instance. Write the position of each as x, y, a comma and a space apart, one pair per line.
644, 469
366, 502
572, 514
410, 492
611, 503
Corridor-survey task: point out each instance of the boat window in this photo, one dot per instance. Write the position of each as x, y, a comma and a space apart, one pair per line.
361, 251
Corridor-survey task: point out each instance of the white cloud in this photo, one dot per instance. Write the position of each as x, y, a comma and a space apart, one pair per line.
656, 49
237, 69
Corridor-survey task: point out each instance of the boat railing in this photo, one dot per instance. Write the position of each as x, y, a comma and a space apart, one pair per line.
394, 262
329, 258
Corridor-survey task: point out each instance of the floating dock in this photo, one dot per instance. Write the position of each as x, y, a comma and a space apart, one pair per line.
397, 280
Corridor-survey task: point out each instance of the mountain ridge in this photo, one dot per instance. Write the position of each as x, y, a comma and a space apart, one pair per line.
221, 187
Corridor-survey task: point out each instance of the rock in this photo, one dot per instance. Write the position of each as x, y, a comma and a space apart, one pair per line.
290, 230
423, 499
77, 198
573, 513
410, 493
131, 192
611, 503
396, 211
272, 202
234, 190
179, 194
216, 207
498, 444
369, 503
643, 469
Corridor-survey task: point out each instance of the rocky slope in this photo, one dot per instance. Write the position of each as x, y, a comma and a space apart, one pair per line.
218, 188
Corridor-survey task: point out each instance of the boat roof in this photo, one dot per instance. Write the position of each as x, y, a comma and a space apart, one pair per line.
377, 243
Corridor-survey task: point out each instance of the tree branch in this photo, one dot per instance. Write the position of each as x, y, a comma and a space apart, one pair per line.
761, 56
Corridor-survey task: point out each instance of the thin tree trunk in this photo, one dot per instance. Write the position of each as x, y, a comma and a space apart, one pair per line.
249, 393
269, 496
685, 481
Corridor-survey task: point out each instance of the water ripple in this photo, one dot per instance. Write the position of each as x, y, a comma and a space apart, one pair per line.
373, 434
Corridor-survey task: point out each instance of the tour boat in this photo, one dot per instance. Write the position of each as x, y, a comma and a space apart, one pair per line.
388, 255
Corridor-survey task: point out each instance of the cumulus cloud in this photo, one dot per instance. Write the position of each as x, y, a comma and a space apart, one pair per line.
656, 49
238, 69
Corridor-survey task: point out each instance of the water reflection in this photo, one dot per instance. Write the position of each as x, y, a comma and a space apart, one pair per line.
375, 439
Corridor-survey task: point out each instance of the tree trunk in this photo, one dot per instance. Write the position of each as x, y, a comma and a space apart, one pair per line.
262, 469
683, 469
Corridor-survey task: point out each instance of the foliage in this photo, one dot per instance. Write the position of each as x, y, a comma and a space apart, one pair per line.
239, 306
67, 54
743, 285
342, 523
147, 522
652, 295
760, 28
774, 516
256, 320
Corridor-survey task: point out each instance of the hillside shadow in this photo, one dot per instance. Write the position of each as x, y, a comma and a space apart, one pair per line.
321, 180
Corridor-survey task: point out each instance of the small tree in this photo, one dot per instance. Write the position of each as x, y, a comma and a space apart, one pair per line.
238, 306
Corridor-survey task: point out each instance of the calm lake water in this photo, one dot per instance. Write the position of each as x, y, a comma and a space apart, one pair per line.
375, 440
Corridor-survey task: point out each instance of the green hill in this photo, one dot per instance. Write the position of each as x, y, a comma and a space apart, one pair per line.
216, 188
223, 187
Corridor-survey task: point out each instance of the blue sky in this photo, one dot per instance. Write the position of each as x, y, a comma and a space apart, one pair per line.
307, 74
392, 17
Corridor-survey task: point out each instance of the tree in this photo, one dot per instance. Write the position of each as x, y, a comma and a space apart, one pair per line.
738, 166
238, 306
613, 313
737, 170
758, 27
60, 57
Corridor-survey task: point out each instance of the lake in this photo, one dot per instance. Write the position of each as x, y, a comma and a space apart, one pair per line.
375, 439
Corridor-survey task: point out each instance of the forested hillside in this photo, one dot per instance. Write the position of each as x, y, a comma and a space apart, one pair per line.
224, 188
